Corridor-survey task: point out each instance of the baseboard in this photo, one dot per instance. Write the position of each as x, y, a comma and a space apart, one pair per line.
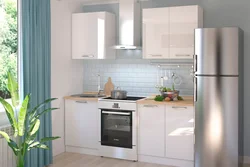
165, 161
80, 150
246, 160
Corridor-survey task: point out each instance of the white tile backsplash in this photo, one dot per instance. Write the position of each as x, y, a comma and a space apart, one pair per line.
138, 77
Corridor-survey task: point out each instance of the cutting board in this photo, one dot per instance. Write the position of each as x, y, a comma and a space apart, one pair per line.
109, 86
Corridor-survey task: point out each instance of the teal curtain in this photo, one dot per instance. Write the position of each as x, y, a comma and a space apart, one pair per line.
35, 50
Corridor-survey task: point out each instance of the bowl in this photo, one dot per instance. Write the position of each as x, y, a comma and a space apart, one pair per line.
171, 95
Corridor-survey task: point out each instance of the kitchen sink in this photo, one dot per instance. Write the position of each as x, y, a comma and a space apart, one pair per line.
88, 95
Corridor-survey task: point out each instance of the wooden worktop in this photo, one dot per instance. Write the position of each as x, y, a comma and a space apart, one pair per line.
80, 98
188, 101
83, 98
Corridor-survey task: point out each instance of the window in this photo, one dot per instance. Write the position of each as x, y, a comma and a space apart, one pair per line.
8, 45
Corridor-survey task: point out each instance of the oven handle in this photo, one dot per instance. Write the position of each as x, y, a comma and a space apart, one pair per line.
115, 113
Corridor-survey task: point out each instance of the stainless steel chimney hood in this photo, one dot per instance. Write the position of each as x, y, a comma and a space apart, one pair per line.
129, 25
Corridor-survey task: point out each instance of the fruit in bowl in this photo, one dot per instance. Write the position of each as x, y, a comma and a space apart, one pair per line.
170, 93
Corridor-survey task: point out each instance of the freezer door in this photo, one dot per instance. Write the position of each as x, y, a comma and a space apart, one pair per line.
216, 51
216, 122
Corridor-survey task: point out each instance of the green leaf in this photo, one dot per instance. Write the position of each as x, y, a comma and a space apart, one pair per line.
11, 143
32, 133
13, 89
46, 139
34, 144
14, 147
34, 111
22, 116
44, 112
42, 146
10, 114
5, 135
37, 145
35, 128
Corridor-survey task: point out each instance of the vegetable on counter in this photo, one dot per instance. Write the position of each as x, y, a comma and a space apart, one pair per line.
165, 89
180, 98
159, 98
167, 99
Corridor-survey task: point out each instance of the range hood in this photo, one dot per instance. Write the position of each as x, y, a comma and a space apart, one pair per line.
129, 25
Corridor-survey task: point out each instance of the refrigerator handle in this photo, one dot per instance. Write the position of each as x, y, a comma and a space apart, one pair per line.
195, 89
195, 63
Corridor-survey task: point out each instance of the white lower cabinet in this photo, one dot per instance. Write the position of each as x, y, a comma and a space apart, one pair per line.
81, 124
180, 132
151, 130
167, 132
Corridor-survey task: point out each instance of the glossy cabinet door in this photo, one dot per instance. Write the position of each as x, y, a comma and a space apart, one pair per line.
93, 35
180, 132
151, 130
81, 124
183, 21
156, 33
84, 36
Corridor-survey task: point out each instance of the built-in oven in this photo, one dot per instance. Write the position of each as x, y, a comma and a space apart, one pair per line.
117, 128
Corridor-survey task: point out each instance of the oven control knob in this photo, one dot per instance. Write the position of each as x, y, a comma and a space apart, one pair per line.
116, 105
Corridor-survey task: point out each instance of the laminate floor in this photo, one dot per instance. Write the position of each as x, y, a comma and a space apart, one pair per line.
79, 160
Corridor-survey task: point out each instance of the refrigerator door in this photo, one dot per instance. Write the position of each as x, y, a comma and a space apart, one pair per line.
216, 122
216, 51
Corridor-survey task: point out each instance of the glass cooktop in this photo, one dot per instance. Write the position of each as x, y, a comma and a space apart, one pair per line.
130, 98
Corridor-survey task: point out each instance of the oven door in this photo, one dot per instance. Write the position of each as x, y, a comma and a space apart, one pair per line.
116, 128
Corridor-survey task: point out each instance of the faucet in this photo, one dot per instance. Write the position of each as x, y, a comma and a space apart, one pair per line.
99, 85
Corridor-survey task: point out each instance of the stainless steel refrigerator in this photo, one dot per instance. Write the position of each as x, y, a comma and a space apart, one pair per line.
218, 96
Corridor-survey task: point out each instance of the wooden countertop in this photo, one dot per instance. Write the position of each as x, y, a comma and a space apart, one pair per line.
188, 101
83, 98
80, 98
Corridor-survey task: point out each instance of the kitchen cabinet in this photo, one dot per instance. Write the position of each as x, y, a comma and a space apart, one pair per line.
151, 130
183, 20
93, 35
156, 33
168, 33
166, 131
81, 124
180, 132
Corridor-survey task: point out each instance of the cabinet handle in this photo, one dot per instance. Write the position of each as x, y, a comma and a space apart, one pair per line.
195, 63
156, 55
150, 106
180, 55
82, 102
195, 89
115, 113
175, 107
88, 56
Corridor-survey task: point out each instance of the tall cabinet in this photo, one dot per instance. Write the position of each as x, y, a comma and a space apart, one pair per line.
168, 33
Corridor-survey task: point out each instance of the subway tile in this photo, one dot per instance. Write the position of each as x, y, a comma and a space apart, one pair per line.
131, 74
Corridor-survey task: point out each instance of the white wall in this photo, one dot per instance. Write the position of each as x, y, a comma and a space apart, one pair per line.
66, 74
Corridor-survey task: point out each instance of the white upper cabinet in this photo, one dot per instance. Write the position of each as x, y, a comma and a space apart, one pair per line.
183, 21
180, 132
93, 35
151, 130
156, 33
168, 33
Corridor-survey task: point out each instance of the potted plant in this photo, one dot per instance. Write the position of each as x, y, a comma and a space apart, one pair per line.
24, 123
